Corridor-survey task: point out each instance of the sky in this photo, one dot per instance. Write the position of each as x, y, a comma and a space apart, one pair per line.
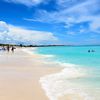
50, 22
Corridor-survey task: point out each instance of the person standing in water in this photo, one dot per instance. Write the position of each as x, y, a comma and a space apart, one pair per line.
89, 51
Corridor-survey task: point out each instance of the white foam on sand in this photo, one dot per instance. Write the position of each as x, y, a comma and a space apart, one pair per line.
32, 51
59, 84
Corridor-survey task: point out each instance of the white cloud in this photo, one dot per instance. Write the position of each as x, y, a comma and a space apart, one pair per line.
20, 35
72, 12
3, 27
95, 25
26, 2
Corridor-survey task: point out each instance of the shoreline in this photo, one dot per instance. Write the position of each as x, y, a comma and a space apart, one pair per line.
71, 71
27, 75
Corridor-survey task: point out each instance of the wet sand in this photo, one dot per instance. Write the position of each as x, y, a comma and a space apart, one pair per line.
71, 97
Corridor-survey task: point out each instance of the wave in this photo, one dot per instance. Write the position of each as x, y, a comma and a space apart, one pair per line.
59, 84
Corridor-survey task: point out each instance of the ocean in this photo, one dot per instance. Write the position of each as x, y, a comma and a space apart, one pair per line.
81, 73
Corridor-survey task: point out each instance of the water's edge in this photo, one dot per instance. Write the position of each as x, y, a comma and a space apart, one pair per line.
59, 84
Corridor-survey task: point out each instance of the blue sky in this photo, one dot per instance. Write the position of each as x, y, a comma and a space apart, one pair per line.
50, 21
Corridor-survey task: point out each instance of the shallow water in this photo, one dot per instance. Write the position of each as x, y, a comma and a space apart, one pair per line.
82, 77
75, 55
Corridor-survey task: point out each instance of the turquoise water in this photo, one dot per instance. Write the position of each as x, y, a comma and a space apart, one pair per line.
75, 55
79, 56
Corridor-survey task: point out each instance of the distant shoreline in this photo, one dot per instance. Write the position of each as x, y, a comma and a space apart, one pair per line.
21, 45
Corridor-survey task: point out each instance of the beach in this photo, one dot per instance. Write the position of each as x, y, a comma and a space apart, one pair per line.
49, 50
20, 73
29, 75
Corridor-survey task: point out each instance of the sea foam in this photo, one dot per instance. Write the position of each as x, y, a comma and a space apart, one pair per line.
59, 84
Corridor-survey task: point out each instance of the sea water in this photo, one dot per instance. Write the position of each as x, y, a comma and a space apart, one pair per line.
81, 73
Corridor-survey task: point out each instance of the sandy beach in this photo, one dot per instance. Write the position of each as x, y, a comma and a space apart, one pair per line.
49, 50
19, 76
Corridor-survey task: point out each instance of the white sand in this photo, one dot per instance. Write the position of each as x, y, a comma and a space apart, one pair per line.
20, 74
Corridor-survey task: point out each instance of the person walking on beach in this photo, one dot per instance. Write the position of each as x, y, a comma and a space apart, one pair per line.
13, 48
8, 48
3, 48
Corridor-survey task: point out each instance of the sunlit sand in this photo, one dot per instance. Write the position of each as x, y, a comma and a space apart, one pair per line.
19, 76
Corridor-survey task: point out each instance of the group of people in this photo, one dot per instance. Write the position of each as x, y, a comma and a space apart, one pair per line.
91, 50
8, 48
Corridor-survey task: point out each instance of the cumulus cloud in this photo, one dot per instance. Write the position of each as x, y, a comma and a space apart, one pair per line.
26, 2
13, 34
